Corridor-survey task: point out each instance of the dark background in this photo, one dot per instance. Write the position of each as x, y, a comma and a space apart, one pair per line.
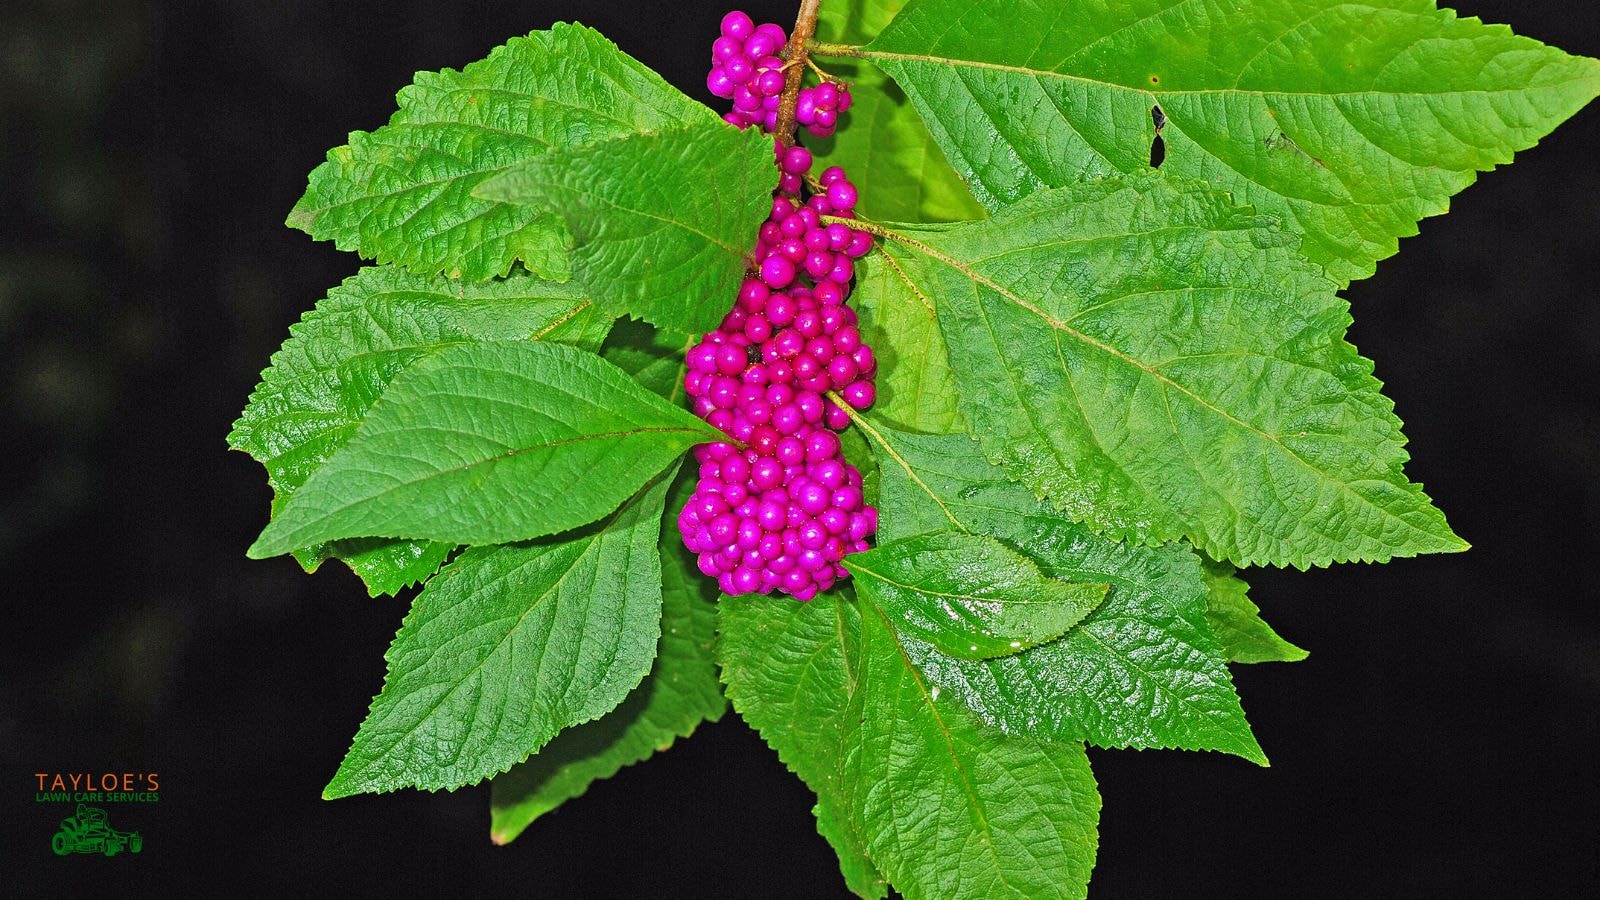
1440, 741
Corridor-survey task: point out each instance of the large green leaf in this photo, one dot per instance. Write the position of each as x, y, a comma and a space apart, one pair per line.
1164, 365
916, 388
663, 224
942, 806
1237, 623
881, 142
1347, 121
509, 645
970, 596
1142, 670
340, 357
680, 692
403, 194
486, 443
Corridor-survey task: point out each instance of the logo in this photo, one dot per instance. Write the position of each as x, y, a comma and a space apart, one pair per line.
87, 795
90, 832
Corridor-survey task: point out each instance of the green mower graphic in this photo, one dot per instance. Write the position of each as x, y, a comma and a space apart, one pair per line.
89, 832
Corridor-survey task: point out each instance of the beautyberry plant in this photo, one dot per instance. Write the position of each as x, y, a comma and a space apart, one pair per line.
987, 411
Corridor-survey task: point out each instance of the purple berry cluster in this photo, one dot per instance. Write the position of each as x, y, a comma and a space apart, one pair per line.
746, 68
779, 512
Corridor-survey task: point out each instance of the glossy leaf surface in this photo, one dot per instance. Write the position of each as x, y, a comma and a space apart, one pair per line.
486, 443
1348, 122
342, 355
970, 596
403, 194
509, 645
1164, 366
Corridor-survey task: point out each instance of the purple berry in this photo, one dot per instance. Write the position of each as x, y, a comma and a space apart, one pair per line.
777, 271
737, 25
842, 194
791, 451
805, 110
859, 394
762, 43
836, 418
796, 161
719, 84
821, 445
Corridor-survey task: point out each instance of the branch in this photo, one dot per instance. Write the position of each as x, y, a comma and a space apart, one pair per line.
805, 25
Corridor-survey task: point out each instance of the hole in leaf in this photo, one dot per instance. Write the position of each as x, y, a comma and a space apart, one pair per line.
1158, 147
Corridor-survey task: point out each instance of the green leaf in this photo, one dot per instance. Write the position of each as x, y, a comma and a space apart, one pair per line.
1142, 670
509, 645
680, 692
970, 596
663, 224
341, 356
1237, 622
790, 672
916, 388
1348, 122
901, 173
486, 443
653, 356
1164, 365
386, 566
953, 809
939, 804
403, 194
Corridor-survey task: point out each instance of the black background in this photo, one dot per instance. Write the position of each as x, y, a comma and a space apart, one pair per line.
1440, 741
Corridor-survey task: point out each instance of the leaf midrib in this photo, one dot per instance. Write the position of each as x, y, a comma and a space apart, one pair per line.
499, 457
1155, 95
918, 589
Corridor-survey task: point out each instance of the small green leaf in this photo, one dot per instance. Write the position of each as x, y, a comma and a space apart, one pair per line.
403, 194
663, 224
1349, 122
1165, 366
901, 172
386, 566
680, 692
508, 646
1237, 622
1142, 670
342, 355
486, 443
907, 784
970, 596
916, 388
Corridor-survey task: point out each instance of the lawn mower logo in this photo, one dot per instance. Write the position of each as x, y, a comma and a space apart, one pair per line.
89, 832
